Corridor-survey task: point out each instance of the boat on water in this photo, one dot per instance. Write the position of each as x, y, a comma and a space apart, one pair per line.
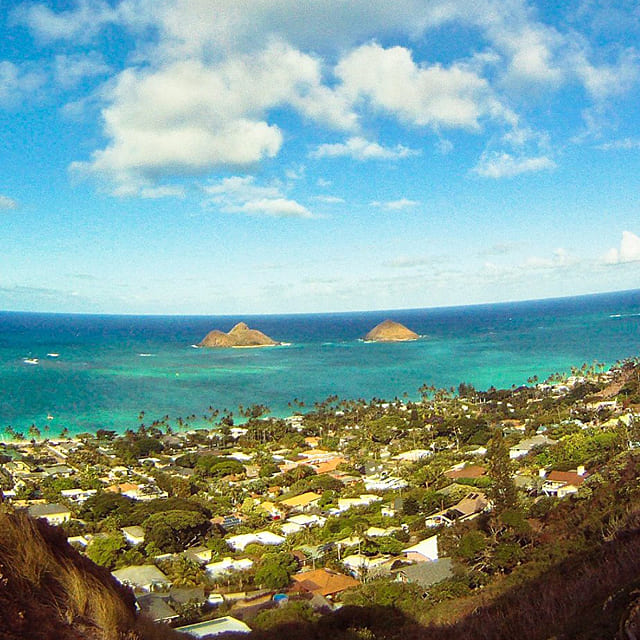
52, 355
31, 361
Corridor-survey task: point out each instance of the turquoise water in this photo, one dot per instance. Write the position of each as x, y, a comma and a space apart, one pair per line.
100, 380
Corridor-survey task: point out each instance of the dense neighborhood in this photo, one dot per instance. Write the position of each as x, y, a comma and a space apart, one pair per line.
249, 523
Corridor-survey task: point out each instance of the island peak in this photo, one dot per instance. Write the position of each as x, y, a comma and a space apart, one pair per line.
390, 331
239, 336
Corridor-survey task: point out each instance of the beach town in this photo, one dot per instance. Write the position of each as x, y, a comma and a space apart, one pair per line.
259, 520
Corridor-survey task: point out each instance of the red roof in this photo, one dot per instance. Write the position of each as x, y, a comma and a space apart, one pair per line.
324, 582
567, 477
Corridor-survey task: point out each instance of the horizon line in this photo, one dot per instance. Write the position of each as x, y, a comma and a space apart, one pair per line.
320, 313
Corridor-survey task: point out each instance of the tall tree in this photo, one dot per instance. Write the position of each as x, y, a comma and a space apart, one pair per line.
502, 492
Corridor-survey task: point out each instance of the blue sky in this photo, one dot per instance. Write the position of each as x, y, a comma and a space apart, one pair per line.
214, 157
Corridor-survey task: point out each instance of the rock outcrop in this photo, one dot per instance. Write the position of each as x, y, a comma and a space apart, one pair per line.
239, 336
390, 331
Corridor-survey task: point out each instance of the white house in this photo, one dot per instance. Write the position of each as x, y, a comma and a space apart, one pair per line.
146, 577
525, 446
228, 565
226, 624
133, 535
423, 551
239, 542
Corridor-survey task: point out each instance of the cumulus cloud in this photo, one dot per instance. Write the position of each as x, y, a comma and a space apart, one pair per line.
360, 149
220, 74
505, 165
7, 203
241, 194
396, 205
629, 250
204, 117
418, 94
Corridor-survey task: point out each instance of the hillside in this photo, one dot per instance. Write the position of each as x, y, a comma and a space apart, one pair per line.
48, 591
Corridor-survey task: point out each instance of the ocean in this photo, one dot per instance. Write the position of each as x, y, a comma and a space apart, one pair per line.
85, 372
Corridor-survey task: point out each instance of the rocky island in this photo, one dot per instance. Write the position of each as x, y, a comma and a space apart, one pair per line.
390, 331
239, 336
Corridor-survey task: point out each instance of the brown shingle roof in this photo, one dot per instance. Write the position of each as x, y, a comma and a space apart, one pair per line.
470, 471
324, 582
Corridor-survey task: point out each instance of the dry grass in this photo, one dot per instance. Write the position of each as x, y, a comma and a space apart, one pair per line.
48, 584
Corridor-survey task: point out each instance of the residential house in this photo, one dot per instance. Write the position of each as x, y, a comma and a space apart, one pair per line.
156, 608
145, 577
525, 446
361, 566
215, 627
465, 472
53, 513
413, 455
384, 483
324, 582
469, 507
239, 542
133, 535
423, 551
426, 574
564, 483
228, 565
78, 495
303, 502
199, 554
299, 522
363, 500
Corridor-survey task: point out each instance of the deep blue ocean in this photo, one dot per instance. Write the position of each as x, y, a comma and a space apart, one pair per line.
110, 368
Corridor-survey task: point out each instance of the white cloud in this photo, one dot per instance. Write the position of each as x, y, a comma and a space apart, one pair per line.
18, 81
276, 207
70, 69
80, 23
629, 250
360, 149
162, 191
623, 144
7, 203
505, 165
329, 199
395, 205
241, 194
607, 80
390, 81
204, 117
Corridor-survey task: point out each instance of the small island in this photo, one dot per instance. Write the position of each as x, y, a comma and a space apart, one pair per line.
390, 331
239, 336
